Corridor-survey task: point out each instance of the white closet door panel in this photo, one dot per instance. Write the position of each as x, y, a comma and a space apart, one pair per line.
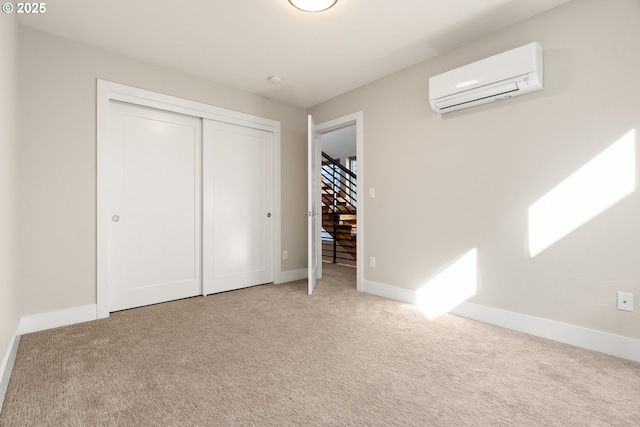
155, 186
238, 199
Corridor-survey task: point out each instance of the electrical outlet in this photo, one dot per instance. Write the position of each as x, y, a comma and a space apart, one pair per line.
372, 262
372, 193
285, 254
625, 301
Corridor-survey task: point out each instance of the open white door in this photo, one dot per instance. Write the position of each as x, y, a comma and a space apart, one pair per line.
313, 207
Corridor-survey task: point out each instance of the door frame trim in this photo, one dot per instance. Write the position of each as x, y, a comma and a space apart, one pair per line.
350, 119
108, 91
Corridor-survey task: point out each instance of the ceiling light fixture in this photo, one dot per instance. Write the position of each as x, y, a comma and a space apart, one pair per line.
276, 80
313, 5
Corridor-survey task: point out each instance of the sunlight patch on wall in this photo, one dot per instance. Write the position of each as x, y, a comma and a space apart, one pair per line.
592, 189
449, 288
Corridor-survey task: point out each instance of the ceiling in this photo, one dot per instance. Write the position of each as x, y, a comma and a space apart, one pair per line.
240, 43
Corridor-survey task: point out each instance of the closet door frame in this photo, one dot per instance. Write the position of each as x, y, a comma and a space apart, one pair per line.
107, 91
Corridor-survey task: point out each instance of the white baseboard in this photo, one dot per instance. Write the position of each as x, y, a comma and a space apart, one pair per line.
7, 365
292, 275
615, 345
388, 291
55, 319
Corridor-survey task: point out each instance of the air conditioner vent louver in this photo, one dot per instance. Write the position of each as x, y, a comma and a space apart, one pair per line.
476, 96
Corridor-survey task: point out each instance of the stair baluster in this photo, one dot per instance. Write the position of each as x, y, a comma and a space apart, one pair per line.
339, 191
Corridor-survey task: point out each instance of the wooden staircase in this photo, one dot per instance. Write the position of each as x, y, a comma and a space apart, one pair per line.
338, 213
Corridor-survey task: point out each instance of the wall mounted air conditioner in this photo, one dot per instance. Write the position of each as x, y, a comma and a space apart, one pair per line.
508, 74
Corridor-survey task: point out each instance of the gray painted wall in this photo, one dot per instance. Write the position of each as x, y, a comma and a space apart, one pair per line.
9, 288
469, 177
57, 161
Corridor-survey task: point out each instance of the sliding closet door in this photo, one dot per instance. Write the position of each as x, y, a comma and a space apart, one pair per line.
238, 206
154, 236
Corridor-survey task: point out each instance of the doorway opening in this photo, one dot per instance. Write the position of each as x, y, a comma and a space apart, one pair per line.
341, 140
339, 195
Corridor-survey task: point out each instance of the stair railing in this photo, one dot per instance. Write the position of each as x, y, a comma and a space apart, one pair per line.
339, 201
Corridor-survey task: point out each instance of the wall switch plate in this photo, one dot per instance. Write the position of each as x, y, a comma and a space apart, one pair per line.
372, 193
625, 301
372, 262
285, 254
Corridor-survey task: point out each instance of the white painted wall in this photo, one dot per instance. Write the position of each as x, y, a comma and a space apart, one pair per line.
473, 174
57, 161
9, 289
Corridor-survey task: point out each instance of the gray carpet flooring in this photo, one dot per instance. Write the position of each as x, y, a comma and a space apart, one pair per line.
273, 356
